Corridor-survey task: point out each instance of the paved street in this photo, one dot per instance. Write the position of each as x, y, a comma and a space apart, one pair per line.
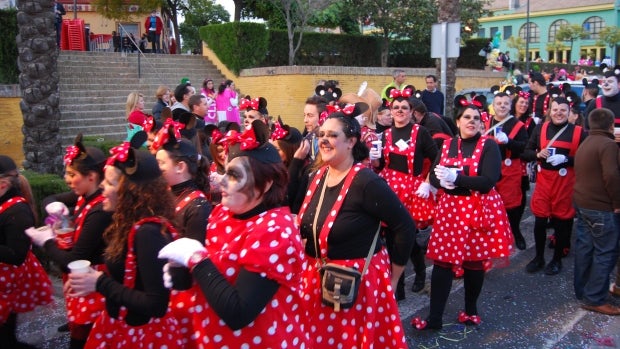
518, 310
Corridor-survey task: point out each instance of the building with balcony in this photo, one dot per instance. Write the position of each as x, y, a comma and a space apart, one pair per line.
509, 18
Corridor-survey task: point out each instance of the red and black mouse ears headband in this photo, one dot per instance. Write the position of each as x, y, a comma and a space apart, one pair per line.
407, 92
328, 93
385, 104
478, 102
137, 165
89, 157
285, 132
169, 134
253, 143
259, 104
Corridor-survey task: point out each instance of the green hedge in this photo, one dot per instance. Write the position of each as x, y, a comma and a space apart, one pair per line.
100, 142
248, 45
44, 185
9, 74
238, 45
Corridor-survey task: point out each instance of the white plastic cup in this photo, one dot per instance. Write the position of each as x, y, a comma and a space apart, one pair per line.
376, 145
81, 266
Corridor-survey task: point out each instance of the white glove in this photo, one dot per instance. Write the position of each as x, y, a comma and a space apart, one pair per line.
536, 120
180, 250
557, 159
40, 235
167, 276
501, 138
446, 184
445, 173
374, 154
57, 209
424, 190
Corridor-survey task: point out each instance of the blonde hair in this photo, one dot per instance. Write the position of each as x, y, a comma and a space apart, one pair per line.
132, 101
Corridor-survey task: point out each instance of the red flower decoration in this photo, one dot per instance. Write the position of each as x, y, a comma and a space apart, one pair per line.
484, 117
71, 153
405, 93
163, 135
250, 103
323, 117
279, 132
120, 153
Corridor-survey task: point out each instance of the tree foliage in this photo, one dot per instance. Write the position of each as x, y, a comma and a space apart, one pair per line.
517, 43
200, 13
571, 32
610, 36
120, 9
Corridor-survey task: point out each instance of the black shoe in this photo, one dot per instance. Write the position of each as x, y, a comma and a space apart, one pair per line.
63, 328
535, 265
554, 267
418, 285
520, 241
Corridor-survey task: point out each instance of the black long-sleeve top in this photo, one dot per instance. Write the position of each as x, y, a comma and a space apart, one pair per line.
425, 148
192, 219
515, 145
298, 182
368, 201
489, 167
612, 103
435, 124
239, 304
90, 244
14, 243
149, 298
533, 145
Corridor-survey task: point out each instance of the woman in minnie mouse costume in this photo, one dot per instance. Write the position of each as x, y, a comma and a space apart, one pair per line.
249, 270
25, 284
186, 172
255, 109
340, 216
83, 174
404, 160
136, 301
471, 226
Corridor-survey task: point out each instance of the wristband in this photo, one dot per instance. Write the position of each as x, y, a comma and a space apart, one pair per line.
196, 259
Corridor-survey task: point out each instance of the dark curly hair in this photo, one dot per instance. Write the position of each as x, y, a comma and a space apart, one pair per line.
136, 200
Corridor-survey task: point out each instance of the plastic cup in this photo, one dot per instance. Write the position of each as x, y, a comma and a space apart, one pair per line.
498, 129
376, 145
64, 238
81, 266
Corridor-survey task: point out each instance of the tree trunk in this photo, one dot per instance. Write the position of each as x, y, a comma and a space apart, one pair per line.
238, 6
385, 51
38, 80
449, 11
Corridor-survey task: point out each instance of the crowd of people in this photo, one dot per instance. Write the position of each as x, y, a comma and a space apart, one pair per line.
214, 225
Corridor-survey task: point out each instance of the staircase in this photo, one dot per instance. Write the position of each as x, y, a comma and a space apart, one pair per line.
94, 87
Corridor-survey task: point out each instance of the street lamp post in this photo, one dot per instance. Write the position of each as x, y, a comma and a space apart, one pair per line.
527, 37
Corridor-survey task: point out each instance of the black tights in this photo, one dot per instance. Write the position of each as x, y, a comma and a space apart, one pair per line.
563, 230
514, 218
441, 284
7, 331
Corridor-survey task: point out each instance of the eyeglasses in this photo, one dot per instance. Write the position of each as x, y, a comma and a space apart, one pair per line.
400, 108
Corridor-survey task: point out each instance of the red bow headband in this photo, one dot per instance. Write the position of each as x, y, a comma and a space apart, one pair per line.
405, 93
119, 153
279, 132
247, 139
348, 109
524, 94
216, 136
252, 104
71, 153
149, 123
163, 136
476, 103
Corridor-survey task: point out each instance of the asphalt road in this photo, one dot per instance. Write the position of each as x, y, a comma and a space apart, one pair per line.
518, 310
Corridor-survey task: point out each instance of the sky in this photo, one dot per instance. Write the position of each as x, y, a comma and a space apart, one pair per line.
229, 5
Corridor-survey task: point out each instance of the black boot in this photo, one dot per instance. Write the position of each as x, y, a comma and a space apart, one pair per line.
514, 218
419, 266
400, 288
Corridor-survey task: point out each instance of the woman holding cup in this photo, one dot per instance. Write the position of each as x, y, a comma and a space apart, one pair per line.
82, 238
24, 282
136, 301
